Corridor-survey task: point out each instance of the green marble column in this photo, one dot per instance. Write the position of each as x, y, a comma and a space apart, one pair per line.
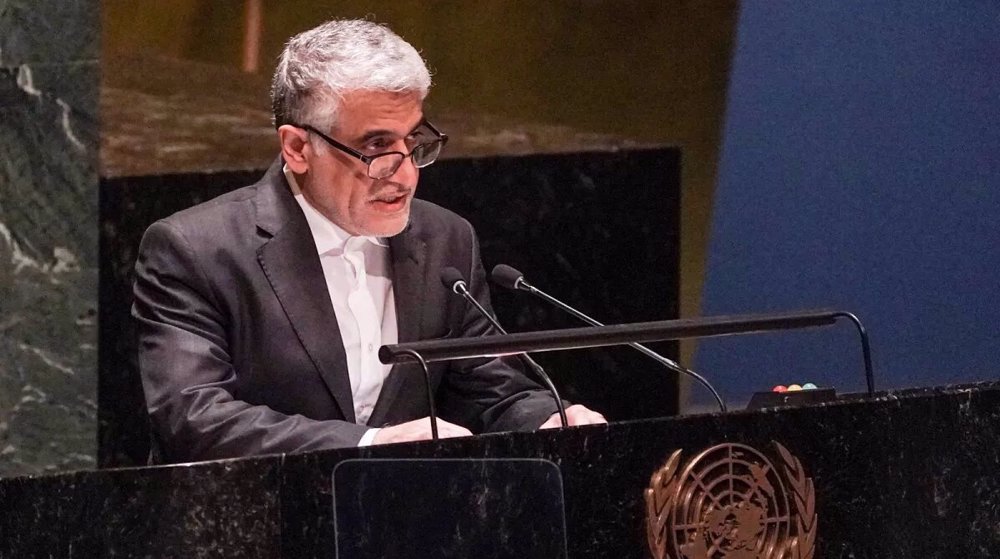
49, 75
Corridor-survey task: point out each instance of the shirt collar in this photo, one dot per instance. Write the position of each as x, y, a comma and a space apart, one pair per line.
329, 236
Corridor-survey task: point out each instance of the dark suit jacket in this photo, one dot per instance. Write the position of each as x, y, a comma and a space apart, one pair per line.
240, 351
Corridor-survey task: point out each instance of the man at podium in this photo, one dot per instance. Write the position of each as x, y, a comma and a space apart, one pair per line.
260, 313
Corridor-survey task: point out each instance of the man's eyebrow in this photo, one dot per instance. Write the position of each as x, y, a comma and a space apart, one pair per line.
372, 134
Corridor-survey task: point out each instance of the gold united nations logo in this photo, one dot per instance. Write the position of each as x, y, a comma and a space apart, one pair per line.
731, 502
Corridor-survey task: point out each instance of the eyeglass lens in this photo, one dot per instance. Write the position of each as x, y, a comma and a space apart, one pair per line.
386, 164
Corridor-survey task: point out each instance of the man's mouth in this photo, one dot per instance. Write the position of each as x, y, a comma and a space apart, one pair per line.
390, 202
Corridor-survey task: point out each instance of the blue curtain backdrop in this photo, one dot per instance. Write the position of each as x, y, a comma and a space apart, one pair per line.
860, 170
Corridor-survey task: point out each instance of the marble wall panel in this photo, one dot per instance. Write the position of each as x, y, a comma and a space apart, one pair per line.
49, 31
48, 235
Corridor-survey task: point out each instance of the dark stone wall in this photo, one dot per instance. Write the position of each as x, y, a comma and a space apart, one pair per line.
49, 74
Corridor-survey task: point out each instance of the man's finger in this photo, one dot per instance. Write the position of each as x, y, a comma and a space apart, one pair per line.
448, 430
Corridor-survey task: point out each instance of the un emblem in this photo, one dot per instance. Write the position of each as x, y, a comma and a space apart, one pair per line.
731, 502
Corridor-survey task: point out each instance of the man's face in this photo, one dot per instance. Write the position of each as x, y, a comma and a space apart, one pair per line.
338, 185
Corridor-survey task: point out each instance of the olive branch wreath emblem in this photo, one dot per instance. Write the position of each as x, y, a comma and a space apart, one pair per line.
666, 487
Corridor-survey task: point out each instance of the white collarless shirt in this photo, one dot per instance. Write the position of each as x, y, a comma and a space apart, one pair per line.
358, 275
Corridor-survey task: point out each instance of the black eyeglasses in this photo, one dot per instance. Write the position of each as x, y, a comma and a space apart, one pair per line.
386, 164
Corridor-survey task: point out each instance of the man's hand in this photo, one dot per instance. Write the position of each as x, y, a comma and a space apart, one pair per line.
575, 415
419, 430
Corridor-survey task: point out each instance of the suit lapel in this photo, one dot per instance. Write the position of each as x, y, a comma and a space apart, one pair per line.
409, 260
291, 265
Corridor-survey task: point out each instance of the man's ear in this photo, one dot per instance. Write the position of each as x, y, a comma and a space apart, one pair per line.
295, 148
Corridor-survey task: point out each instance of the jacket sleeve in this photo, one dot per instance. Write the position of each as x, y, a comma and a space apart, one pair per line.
496, 394
187, 373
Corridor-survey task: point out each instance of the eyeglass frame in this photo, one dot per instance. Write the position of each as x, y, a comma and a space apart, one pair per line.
367, 159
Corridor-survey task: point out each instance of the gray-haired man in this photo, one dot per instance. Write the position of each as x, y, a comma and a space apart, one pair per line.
260, 313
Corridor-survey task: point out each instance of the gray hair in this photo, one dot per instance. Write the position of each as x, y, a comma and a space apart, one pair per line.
319, 66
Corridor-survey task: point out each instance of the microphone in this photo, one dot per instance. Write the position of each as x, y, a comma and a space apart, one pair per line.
453, 281
510, 278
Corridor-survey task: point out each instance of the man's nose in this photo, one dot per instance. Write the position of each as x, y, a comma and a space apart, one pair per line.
407, 173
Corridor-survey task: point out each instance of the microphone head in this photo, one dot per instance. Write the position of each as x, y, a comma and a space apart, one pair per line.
451, 277
506, 276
